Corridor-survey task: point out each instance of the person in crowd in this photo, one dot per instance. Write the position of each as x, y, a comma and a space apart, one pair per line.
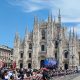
39, 75
34, 75
0, 73
5, 75
45, 75
21, 73
11, 77
76, 69
10, 72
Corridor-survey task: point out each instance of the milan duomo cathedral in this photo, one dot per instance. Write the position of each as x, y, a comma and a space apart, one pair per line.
49, 39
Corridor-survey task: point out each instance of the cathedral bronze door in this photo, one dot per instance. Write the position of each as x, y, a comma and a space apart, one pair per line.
29, 65
21, 65
41, 63
66, 66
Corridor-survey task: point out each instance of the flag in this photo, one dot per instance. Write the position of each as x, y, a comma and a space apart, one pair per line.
14, 64
1, 64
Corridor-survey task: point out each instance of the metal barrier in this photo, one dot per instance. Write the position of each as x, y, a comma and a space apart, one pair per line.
64, 77
30, 78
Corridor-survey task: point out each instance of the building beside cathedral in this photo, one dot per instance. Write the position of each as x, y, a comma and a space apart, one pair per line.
49, 39
6, 56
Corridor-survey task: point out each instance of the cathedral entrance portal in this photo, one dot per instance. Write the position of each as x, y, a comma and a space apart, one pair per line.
41, 63
66, 66
21, 65
29, 65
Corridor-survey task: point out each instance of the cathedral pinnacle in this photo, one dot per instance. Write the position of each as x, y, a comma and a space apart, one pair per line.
35, 20
50, 17
26, 31
17, 38
26, 34
59, 17
54, 19
70, 34
73, 33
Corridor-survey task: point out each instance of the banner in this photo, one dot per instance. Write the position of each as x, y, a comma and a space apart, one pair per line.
50, 62
14, 64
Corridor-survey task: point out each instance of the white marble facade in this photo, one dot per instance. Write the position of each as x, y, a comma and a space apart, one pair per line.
48, 39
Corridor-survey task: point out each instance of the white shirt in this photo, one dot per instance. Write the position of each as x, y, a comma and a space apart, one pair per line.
6, 77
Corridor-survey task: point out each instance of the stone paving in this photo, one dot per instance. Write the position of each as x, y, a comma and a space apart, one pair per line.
77, 78
68, 77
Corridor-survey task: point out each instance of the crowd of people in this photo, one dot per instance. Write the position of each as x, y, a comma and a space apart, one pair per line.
23, 74
32, 74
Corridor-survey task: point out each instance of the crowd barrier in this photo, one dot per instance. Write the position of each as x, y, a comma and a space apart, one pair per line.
56, 75
31, 78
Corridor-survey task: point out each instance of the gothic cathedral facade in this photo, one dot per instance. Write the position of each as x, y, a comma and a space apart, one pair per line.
49, 39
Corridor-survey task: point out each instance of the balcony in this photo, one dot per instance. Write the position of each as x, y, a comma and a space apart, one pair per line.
21, 60
43, 40
29, 50
66, 60
29, 59
42, 53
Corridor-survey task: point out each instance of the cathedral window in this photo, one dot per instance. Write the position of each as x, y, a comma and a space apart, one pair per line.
30, 46
42, 48
29, 55
29, 65
56, 44
21, 65
21, 55
43, 34
55, 55
79, 59
66, 54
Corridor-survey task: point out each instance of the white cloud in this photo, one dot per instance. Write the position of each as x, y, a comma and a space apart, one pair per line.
67, 19
70, 10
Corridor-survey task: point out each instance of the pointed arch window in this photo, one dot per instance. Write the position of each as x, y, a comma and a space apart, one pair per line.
30, 55
66, 54
29, 65
21, 55
56, 55
30, 46
43, 34
42, 48
56, 44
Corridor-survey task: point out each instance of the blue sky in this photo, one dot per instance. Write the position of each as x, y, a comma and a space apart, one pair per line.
15, 15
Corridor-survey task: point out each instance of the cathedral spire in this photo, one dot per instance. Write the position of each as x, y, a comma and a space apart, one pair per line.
26, 31
63, 31
70, 34
16, 40
76, 36
54, 19
16, 36
59, 17
50, 17
73, 33
35, 23
35, 20
26, 34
